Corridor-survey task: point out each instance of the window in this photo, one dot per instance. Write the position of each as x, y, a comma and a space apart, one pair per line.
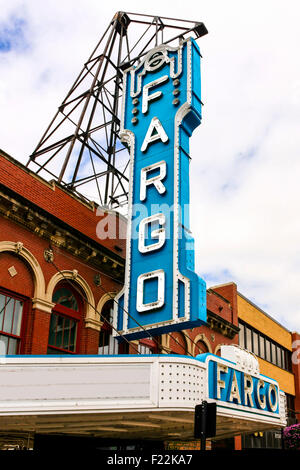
63, 296
288, 360
150, 345
264, 347
291, 414
262, 351
268, 350
62, 334
11, 314
143, 349
65, 321
273, 349
107, 343
255, 343
146, 346
279, 360
248, 339
242, 335
284, 365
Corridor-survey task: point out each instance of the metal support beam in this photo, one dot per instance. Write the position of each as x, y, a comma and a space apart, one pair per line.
81, 146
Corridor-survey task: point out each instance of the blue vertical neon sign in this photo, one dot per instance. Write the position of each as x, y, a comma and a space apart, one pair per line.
161, 108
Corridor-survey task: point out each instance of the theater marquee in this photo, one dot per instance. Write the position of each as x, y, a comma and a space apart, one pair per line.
137, 396
235, 383
161, 108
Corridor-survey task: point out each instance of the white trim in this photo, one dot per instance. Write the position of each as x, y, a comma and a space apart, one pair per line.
128, 137
164, 48
146, 98
159, 302
155, 180
159, 233
159, 135
177, 276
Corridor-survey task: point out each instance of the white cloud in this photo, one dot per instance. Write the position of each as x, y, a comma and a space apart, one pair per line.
245, 167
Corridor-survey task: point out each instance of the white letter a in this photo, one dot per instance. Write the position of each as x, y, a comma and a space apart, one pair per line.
159, 134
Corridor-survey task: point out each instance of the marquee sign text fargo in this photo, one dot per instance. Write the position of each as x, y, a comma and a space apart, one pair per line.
161, 108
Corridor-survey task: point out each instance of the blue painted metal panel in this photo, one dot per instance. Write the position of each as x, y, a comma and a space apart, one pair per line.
268, 391
161, 108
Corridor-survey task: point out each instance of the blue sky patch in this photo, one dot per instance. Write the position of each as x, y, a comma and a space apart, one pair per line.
12, 35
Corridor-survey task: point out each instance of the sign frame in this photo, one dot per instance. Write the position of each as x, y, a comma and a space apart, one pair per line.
188, 301
208, 359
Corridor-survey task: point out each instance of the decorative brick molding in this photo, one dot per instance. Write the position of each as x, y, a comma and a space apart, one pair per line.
42, 305
217, 323
20, 250
105, 298
203, 338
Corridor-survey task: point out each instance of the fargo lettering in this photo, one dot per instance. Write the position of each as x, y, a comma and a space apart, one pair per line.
237, 387
161, 108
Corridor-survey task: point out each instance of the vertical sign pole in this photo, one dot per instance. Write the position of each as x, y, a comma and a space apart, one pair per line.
205, 422
203, 425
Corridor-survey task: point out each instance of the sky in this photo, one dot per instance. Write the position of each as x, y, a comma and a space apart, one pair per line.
245, 155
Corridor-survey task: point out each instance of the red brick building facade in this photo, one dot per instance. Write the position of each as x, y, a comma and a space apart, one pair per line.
58, 278
296, 371
48, 243
50, 249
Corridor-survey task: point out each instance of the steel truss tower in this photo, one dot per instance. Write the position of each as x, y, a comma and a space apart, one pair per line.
81, 148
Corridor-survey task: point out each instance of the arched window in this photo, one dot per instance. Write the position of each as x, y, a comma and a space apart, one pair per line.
107, 344
200, 348
65, 320
65, 297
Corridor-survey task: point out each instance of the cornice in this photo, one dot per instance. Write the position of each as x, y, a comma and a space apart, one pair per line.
219, 324
60, 235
